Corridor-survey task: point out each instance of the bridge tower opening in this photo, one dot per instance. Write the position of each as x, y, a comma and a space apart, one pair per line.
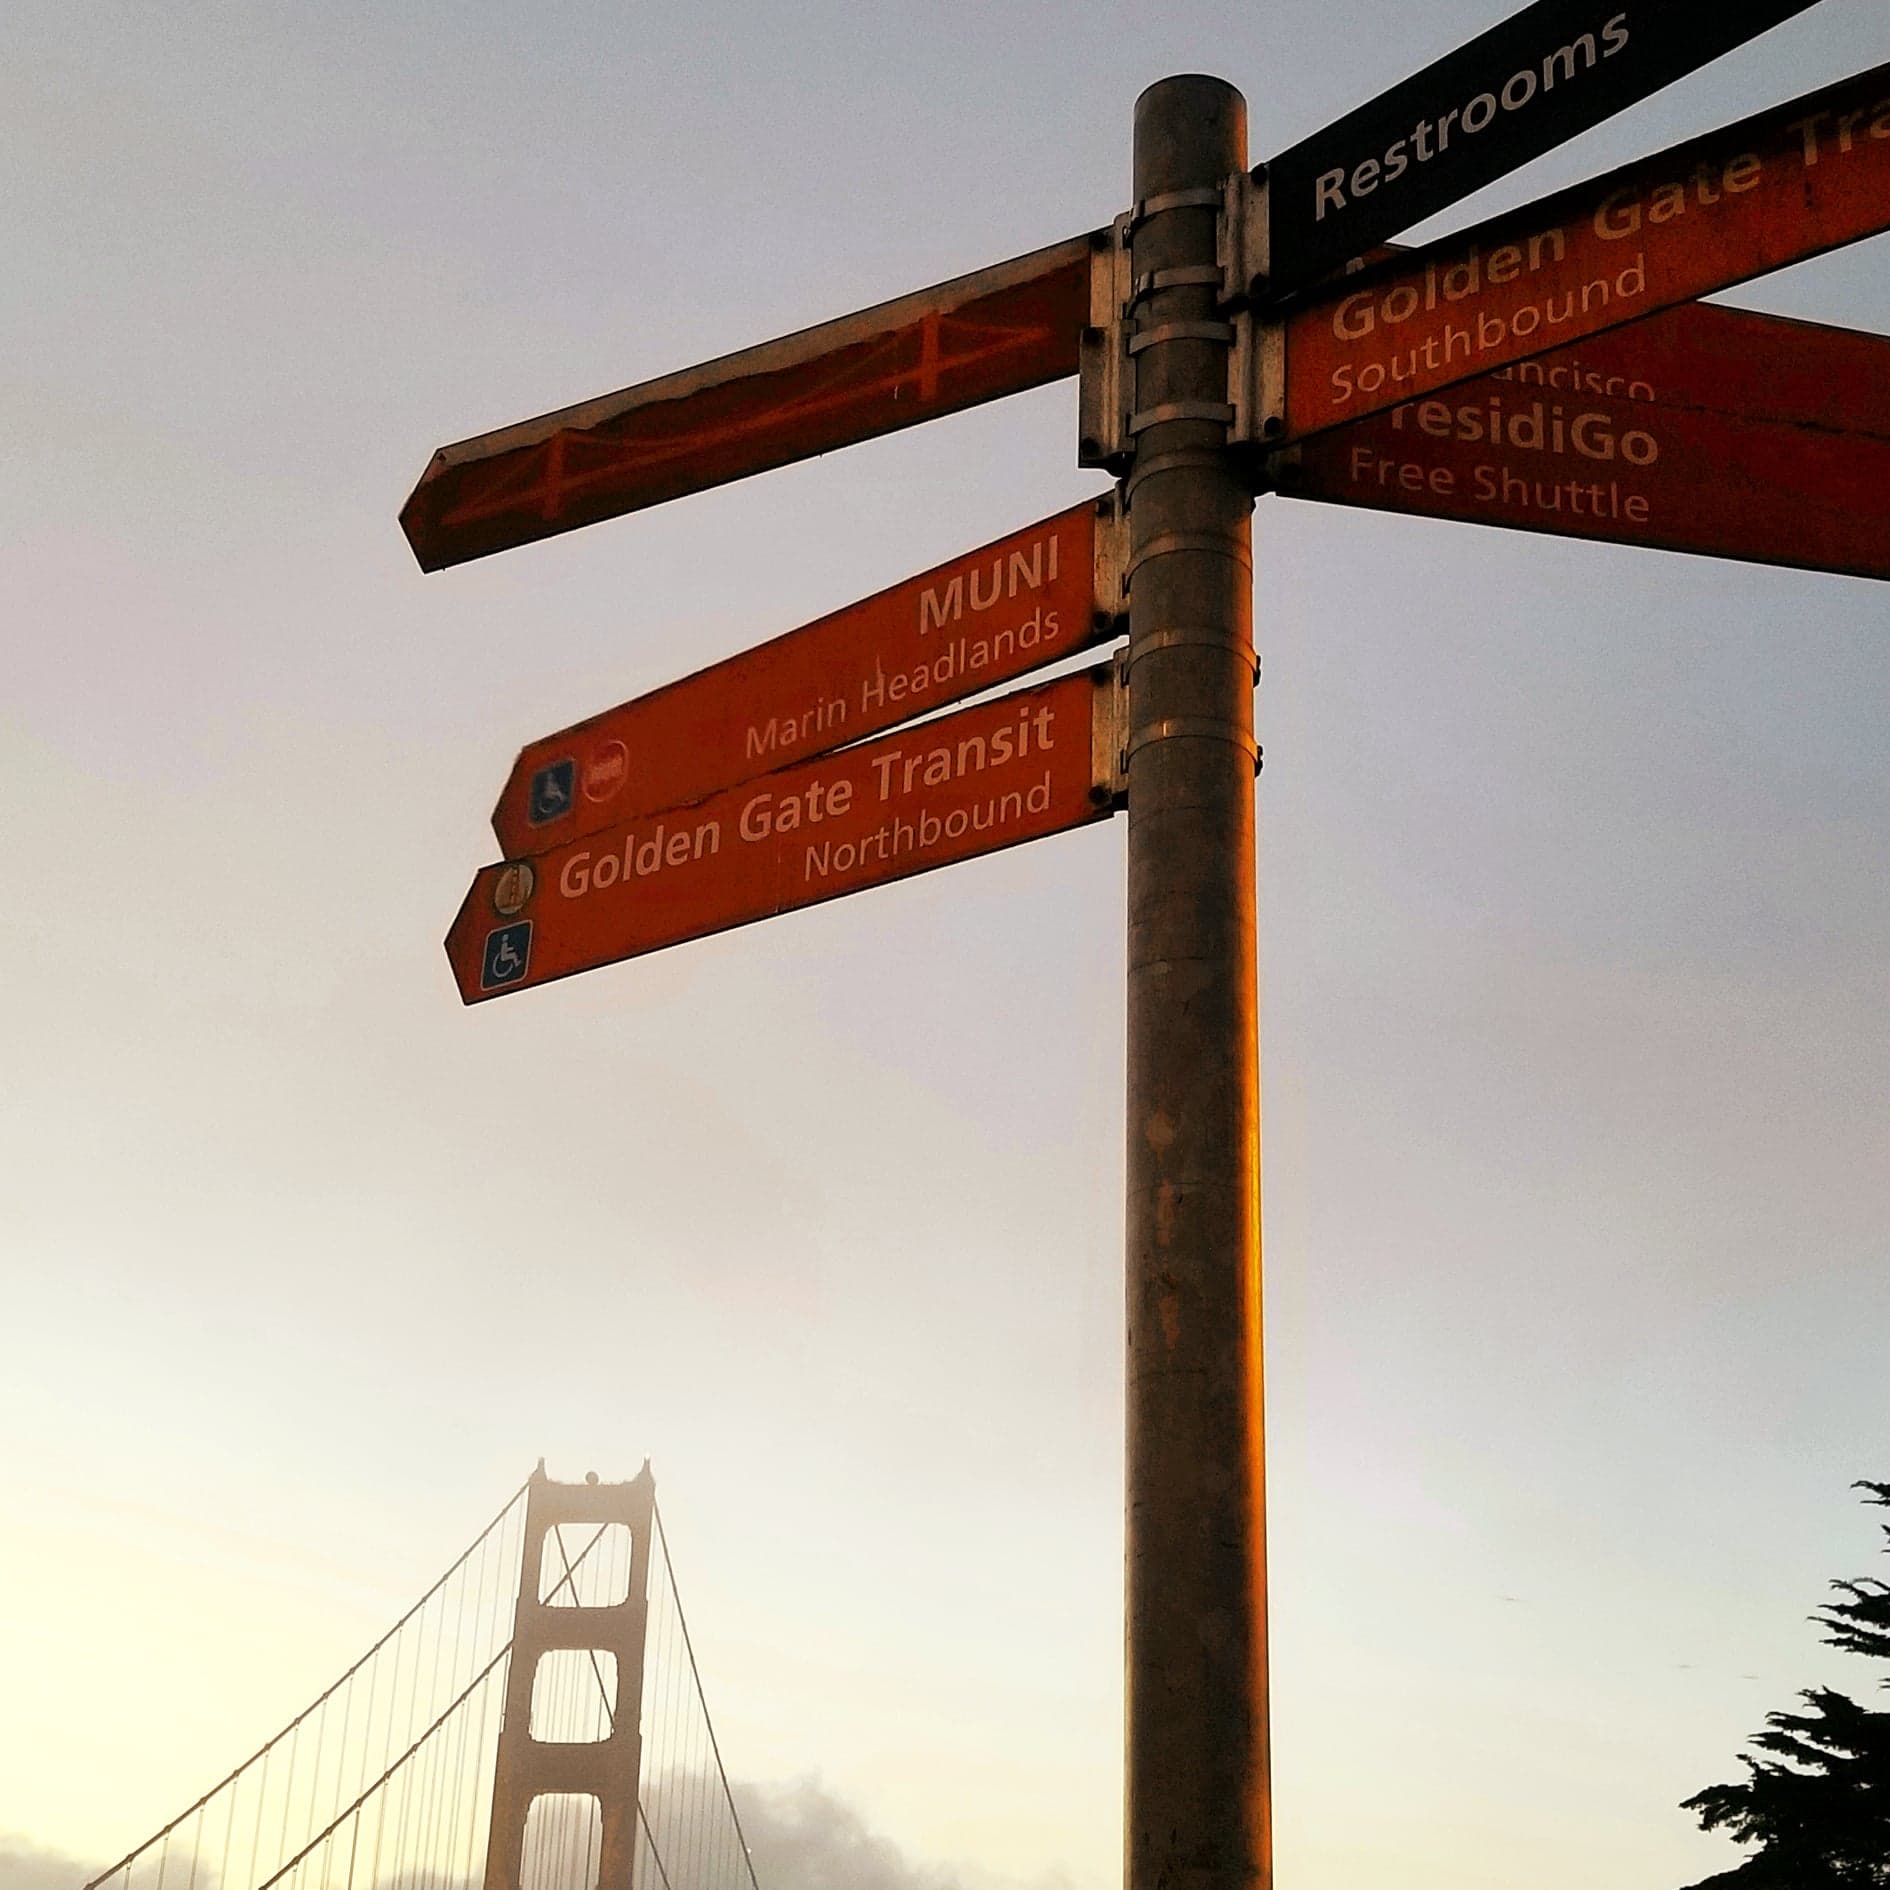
562, 1757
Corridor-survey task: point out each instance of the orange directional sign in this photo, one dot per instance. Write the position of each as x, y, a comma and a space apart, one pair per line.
1032, 763
986, 618
1731, 361
1787, 184
995, 332
1702, 429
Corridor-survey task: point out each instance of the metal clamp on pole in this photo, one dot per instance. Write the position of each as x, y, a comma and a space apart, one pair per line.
1146, 550
1103, 375
1109, 734
1112, 562
1246, 247
1217, 412
1198, 636
1195, 197
1148, 465
1256, 377
1188, 276
1196, 728
1180, 331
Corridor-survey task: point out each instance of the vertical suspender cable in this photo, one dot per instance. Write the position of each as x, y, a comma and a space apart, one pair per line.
721, 1773
123, 1866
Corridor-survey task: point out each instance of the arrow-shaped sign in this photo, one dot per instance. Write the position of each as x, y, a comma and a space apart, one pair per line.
1531, 82
1784, 185
1703, 429
1535, 79
986, 618
998, 331
1035, 762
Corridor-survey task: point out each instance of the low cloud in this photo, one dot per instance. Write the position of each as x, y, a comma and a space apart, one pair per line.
801, 1837
25, 1866
804, 1838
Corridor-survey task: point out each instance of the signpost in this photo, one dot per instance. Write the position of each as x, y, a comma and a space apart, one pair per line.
997, 331
1551, 369
986, 618
1531, 82
1735, 362
1197, 1774
1035, 762
1775, 189
1681, 432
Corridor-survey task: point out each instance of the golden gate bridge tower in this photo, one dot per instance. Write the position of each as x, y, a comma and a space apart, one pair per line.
535, 1721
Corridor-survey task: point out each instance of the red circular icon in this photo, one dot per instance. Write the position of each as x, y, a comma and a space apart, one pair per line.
606, 771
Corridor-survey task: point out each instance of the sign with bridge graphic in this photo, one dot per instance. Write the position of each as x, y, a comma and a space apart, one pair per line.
1551, 368
998, 331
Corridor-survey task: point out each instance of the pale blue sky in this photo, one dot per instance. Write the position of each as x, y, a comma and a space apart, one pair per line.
1575, 877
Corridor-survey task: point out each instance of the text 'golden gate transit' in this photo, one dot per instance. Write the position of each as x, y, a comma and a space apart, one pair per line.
988, 617
1035, 762
1784, 185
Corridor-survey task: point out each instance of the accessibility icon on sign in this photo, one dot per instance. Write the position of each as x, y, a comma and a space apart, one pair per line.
552, 789
508, 955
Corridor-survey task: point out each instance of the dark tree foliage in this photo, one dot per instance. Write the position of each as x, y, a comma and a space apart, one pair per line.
1816, 1805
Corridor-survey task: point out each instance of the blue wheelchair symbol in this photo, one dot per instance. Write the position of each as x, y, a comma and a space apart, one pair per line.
551, 793
508, 955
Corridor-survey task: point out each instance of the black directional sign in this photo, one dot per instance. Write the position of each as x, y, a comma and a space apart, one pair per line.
1522, 88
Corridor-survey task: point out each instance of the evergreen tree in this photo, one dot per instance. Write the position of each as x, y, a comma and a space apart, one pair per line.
1817, 1805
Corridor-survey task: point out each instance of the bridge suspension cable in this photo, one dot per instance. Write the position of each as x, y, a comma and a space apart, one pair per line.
241, 1831
385, 1780
686, 1793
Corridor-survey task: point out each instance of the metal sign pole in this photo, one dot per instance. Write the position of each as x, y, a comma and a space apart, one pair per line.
1197, 1812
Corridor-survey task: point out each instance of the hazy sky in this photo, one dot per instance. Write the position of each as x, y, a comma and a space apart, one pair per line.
1575, 880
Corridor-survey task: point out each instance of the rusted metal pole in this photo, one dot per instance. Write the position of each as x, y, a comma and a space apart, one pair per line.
1198, 1815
